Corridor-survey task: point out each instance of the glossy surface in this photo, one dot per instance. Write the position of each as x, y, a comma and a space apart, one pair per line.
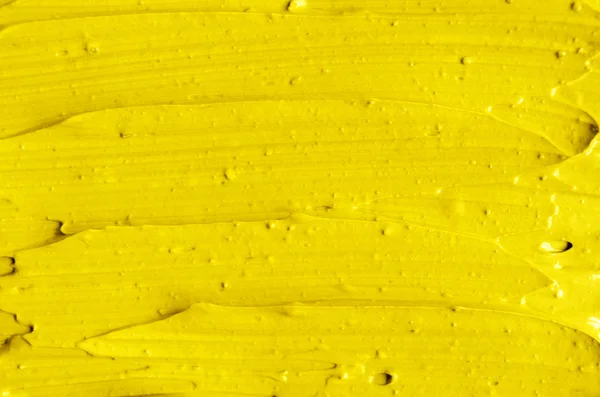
305, 198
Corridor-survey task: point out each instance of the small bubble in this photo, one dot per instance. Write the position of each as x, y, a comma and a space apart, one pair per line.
294, 5
295, 80
91, 48
382, 379
466, 60
230, 174
556, 247
575, 6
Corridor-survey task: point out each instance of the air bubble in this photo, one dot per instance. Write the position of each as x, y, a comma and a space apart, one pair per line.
382, 379
556, 246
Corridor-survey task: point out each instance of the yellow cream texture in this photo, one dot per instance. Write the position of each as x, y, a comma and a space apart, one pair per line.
299, 198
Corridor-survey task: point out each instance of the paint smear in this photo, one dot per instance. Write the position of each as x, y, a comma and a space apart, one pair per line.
299, 198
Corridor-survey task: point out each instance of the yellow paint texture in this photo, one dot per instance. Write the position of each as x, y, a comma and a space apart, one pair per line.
305, 198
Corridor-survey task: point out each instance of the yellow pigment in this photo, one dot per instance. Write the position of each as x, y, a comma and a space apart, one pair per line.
299, 198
